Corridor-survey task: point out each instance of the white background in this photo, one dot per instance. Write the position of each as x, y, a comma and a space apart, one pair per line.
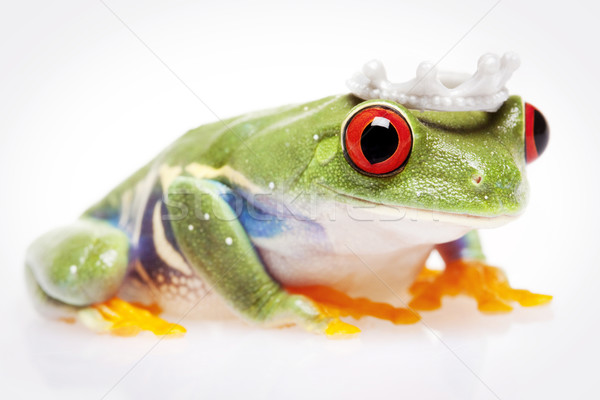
83, 103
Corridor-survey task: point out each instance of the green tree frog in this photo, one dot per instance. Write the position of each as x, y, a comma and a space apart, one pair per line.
299, 215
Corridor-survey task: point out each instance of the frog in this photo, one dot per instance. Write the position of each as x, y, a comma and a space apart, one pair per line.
300, 215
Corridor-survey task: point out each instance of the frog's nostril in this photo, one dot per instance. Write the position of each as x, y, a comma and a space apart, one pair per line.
476, 179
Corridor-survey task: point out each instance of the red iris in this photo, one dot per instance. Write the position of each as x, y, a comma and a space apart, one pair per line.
377, 140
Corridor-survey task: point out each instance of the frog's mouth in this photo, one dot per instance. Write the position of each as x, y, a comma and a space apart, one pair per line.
388, 212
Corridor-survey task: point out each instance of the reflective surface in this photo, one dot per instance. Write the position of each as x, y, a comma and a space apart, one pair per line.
427, 359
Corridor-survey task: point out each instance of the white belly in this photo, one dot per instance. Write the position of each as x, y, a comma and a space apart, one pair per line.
363, 251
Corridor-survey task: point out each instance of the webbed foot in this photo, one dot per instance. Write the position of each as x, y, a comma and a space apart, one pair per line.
121, 318
337, 304
486, 284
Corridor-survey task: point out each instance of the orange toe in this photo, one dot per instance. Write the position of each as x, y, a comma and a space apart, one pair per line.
486, 284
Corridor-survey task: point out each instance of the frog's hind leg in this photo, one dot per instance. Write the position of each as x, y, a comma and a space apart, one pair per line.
217, 246
467, 273
74, 272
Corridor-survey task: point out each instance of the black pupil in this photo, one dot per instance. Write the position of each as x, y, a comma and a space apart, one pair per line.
379, 140
541, 133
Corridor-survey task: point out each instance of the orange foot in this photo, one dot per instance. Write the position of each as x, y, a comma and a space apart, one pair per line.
125, 319
337, 304
488, 285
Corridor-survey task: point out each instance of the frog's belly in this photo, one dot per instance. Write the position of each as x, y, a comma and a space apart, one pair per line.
361, 255
380, 277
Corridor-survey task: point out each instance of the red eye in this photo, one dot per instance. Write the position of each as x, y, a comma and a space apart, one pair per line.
377, 140
537, 133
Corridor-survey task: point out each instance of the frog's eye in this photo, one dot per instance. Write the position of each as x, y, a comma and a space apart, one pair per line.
377, 140
537, 133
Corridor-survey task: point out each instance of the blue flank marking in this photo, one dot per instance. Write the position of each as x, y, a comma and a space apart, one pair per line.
265, 220
114, 220
257, 222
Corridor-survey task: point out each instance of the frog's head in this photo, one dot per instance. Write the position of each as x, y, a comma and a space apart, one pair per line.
467, 163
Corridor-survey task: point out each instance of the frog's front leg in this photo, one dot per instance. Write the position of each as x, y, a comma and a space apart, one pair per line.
74, 273
467, 273
216, 245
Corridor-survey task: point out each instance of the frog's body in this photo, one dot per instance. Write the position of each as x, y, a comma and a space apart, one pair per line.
237, 209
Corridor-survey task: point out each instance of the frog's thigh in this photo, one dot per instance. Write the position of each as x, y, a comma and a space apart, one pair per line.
77, 265
216, 245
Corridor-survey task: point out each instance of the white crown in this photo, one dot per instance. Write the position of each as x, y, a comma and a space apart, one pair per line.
442, 91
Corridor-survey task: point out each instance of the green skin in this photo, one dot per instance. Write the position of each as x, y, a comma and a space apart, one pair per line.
297, 151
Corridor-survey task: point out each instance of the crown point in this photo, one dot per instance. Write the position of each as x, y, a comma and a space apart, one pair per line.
489, 64
511, 60
374, 70
425, 68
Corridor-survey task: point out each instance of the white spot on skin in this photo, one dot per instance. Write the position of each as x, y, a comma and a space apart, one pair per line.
228, 241
191, 227
73, 269
109, 257
206, 216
